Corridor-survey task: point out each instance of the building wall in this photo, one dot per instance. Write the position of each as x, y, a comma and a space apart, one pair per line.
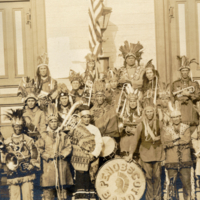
67, 32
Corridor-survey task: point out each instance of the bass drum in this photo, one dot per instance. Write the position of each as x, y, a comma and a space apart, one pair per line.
118, 180
109, 148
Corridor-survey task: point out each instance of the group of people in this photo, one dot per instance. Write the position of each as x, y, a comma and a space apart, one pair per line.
59, 132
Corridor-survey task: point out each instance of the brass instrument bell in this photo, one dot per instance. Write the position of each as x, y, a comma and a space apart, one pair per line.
12, 162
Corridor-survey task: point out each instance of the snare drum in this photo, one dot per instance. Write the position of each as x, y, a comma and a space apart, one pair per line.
118, 179
109, 148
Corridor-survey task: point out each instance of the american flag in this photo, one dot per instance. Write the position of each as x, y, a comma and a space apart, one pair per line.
95, 36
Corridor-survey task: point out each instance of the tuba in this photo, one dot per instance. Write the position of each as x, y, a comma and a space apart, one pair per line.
73, 122
69, 117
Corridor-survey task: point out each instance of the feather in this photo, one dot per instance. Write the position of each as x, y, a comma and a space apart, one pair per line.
43, 59
131, 47
14, 114
137, 47
170, 107
149, 64
177, 105
126, 46
193, 61
136, 91
90, 57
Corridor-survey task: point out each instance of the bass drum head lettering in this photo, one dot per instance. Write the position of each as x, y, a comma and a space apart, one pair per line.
118, 179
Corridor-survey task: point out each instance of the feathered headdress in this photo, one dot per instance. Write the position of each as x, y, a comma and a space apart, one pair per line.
149, 65
175, 109
62, 89
73, 76
52, 112
27, 89
15, 116
133, 96
99, 87
113, 74
90, 57
43, 60
131, 50
148, 104
184, 62
164, 91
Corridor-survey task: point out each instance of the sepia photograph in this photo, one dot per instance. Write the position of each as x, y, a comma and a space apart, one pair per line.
99, 100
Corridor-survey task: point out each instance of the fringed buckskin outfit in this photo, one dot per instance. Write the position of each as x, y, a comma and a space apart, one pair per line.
21, 181
189, 114
177, 145
55, 172
151, 156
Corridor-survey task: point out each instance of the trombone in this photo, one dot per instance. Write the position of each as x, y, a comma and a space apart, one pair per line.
87, 94
126, 89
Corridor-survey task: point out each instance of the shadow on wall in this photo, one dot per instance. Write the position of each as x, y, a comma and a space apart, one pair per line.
109, 47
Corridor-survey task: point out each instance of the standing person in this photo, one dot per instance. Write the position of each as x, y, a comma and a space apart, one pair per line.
87, 145
34, 117
76, 83
55, 149
100, 105
45, 84
150, 83
22, 159
132, 117
196, 146
90, 73
176, 139
131, 71
188, 96
64, 100
114, 91
151, 151
164, 95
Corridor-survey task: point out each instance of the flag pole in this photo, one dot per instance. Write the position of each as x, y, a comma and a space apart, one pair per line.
96, 68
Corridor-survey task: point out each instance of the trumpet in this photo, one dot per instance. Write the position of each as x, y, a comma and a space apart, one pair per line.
190, 89
87, 94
